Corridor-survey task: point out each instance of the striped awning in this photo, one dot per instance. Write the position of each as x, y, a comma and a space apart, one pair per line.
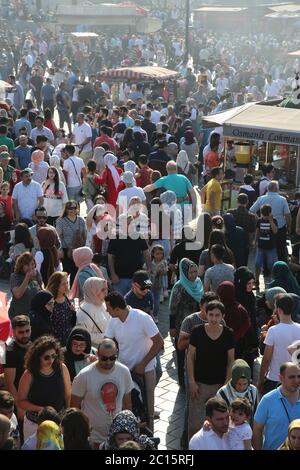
138, 73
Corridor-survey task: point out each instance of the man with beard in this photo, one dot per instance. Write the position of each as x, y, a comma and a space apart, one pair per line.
101, 390
15, 353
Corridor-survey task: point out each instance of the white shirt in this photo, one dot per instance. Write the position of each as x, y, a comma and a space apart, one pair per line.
208, 440
54, 203
238, 434
126, 194
155, 116
73, 178
102, 396
81, 133
27, 198
134, 337
280, 337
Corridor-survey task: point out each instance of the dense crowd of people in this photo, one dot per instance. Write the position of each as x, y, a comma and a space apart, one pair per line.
103, 222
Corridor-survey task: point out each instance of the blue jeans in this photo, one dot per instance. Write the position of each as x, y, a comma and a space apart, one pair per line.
123, 286
156, 291
270, 256
74, 194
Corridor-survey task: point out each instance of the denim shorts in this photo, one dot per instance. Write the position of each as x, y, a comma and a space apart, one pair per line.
265, 256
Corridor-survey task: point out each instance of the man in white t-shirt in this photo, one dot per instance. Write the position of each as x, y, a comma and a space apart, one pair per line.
139, 342
277, 341
76, 171
101, 390
82, 136
129, 192
27, 196
217, 414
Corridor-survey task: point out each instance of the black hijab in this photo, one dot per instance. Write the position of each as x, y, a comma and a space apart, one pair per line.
40, 317
78, 333
241, 277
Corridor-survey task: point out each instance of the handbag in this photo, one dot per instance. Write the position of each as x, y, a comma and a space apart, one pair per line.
98, 328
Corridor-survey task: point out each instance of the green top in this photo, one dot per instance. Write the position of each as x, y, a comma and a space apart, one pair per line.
8, 142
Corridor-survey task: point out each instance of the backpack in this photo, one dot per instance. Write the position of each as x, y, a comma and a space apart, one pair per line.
256, 186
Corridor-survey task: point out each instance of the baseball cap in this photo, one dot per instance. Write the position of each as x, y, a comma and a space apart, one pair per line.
5, 156
142, 279
27, 170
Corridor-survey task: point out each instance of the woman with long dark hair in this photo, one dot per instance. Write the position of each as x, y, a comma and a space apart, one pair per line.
22, 241
76, 430
47, 258
45, 382
217, 237
55, 195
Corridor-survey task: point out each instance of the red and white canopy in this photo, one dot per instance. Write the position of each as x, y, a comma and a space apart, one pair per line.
138, 73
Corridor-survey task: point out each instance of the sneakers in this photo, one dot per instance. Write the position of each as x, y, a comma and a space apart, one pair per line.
155, 320
161, 299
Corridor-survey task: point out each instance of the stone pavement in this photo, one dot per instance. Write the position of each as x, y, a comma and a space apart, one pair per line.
169, 398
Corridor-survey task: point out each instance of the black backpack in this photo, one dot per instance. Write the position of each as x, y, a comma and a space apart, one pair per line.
256, 186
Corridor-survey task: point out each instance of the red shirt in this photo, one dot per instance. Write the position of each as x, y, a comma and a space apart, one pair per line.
145, 176
8, 206
107, 180
49, 123
113, 146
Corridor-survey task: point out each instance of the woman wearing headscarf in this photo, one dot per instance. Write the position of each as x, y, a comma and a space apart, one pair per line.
47, 259
125, 428
236, 238
83, 261
40, 313
133, 168
283, 277
78, 352
110, 178
185, 299
168, 200
92, 313
190, 145
292, 441
48, 436
236, 317
244, 283
98, 158
184, 167
54, 161
240, 386
38, 166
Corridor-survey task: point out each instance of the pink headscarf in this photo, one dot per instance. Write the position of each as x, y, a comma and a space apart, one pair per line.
82, 258
37, 157
92, 290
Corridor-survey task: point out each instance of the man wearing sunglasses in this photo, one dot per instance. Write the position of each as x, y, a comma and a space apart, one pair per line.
41, 221
101, 390
140, 295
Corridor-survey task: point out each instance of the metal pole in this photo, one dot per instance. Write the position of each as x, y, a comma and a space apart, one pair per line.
187, 22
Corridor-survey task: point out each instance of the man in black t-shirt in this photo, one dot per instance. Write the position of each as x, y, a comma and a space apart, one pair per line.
209, 362
15, 353
125, 257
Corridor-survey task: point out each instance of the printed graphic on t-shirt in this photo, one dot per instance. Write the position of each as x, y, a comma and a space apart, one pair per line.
265, 231
109, 393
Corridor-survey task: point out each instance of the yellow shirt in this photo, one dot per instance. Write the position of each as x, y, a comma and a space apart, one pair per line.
213, 186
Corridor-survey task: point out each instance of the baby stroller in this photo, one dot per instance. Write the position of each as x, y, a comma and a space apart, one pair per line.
139, 405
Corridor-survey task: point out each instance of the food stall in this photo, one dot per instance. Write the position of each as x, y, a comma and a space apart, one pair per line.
263, 134
149, 74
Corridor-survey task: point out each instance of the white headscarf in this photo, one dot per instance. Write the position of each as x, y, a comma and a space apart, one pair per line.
98, 159
130, 166
182, 161
110, 159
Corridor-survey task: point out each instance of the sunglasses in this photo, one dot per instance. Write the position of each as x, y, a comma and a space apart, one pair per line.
72, 208
144, 288
108, 358
50, 356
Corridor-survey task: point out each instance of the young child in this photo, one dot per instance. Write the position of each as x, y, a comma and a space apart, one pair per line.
90, 188
240, 432
6, 198
266, 253
159, 269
